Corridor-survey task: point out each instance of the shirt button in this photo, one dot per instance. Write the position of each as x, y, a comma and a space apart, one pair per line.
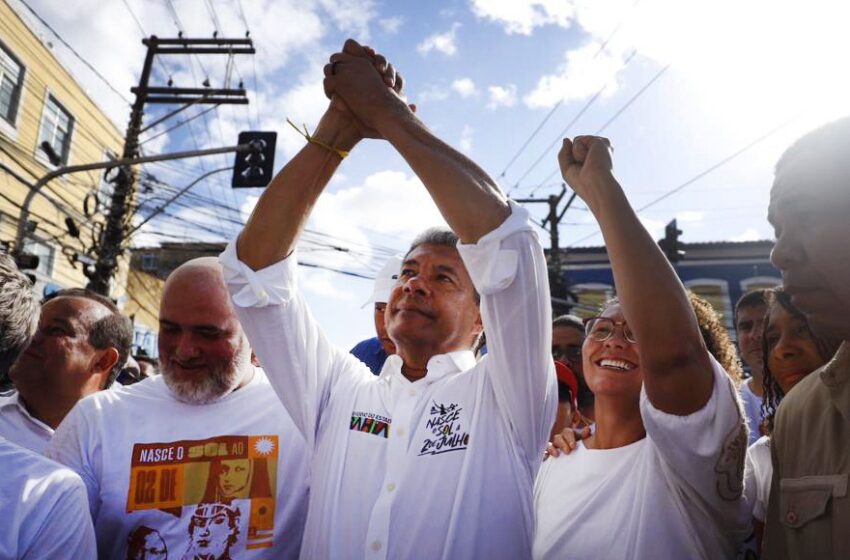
376, 546
399, 432
791, 517
390, 487
412, 392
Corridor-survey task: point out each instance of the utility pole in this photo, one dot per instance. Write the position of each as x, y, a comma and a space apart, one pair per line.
561, 300
112, 241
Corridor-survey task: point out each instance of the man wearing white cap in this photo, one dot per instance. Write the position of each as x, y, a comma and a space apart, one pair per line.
374, 351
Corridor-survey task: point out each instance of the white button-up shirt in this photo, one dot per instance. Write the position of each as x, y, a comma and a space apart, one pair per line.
442, 467
20, 427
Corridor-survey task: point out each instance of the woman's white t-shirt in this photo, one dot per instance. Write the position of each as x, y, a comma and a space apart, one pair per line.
678, 493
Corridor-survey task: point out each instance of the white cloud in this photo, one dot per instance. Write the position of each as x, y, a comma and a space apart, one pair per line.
466, 138
585, 71
714, 55
303, 104
465, 87
653, 226
433, 93
522, 16
383, 201
375, 213
749, 234
690, 216
442, 42
391, 25
323, 283
351, 16
502, 96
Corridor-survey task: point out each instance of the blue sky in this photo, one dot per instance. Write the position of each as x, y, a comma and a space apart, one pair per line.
684, 86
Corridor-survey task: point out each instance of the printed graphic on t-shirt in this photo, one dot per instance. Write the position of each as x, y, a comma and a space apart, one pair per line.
370, 423
223, 480
444, 422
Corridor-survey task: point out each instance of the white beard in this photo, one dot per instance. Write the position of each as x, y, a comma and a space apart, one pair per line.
217, 383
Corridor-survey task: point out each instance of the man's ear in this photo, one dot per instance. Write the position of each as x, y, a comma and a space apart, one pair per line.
479, 322
104, 361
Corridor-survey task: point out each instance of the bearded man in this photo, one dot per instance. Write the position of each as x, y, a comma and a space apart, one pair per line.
145, 451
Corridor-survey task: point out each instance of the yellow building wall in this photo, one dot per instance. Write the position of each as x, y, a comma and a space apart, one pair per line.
142, 304
92, 136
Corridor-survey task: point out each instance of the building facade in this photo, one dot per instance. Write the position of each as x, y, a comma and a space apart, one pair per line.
719, 271
47, 121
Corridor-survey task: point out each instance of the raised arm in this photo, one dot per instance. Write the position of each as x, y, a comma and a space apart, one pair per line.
677, 372
281, 212
467, 197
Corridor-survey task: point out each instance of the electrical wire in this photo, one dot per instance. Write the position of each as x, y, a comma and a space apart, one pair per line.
561, 134
703, 173
601, 48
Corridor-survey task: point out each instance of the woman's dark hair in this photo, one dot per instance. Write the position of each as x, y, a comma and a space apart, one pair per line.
826, 347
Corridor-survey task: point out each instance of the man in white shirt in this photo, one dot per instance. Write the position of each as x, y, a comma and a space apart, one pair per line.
18, 315
43, 505
199, 461
44, 508
749, 324
436, 456
79, 347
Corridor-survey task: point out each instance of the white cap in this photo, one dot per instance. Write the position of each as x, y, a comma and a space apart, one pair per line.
385, 281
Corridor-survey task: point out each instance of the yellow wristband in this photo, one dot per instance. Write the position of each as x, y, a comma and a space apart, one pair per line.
341, 153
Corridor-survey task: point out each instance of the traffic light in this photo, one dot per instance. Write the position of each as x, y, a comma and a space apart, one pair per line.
26, 261
254, 167
671, 245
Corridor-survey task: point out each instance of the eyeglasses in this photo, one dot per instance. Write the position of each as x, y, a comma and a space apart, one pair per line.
601, 329
570, 352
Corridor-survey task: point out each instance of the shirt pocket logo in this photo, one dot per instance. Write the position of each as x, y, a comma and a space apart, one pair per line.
370, 423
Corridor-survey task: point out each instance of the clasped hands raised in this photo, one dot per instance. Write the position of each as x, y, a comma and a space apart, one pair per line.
364, 88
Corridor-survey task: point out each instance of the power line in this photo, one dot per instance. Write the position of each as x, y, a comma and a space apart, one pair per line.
633, 98
703, 173
601, 48
620, 111
178, 125
561, 134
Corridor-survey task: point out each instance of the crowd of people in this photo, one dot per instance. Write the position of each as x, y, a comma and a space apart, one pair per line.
261, 439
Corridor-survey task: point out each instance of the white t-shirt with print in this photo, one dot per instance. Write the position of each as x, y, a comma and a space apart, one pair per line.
192, 480
43, 508
675, 494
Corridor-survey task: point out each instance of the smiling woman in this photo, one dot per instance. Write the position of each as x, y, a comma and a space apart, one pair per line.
663, 468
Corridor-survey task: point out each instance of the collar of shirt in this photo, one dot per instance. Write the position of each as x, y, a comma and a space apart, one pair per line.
836, 376
15, 400
438, 367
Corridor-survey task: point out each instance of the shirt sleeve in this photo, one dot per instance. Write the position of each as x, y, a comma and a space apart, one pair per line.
508, 268
301, 363
703, 453
75, 445
66, 531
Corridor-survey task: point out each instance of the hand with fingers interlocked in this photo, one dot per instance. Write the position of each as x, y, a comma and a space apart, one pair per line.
364, 86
